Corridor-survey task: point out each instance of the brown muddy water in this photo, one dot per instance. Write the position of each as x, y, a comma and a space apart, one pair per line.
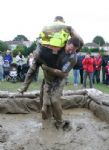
29, 132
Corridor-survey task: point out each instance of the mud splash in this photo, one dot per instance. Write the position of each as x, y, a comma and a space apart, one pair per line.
29, 132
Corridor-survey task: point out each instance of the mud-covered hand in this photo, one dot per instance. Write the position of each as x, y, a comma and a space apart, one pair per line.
55, 72
22, 90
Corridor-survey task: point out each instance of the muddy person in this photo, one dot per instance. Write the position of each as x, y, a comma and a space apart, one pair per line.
56, 59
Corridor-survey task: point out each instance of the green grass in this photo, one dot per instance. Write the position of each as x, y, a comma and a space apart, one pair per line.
12, 87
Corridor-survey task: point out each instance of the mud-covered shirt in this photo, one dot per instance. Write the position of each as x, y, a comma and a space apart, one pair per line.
47, 57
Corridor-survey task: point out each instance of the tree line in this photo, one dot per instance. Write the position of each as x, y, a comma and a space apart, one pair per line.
19, 48
27, 50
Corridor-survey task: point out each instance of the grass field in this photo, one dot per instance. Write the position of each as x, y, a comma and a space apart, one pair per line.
12, 87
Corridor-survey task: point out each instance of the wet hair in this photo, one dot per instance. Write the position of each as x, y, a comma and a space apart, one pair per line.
76, 42
59, 18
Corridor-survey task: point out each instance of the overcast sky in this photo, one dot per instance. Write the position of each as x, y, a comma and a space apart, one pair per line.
88, 17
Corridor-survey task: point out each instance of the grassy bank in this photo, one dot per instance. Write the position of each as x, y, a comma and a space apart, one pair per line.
12, 87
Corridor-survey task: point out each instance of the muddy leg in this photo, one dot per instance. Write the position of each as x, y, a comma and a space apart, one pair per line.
41, 93
57, 108
45, 101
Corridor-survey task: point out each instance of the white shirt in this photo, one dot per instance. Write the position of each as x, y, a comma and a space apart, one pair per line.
20, 61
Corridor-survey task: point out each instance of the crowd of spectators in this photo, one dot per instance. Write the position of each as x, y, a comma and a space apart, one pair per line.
20, 62
6, 63
96, 68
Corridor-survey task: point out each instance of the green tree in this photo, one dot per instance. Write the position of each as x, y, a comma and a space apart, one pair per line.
31, 48
20, 48
3, 46
20, 38
99, 40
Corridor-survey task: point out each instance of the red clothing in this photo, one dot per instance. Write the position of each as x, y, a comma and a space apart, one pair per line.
107, 70
97, 63
88, 64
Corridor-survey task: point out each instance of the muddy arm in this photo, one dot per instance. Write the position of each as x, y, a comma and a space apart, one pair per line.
30, 75
55, 72
28, 80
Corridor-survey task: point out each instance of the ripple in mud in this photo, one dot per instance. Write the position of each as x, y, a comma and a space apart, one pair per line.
29, 132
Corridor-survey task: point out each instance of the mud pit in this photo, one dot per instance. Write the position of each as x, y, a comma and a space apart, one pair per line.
29, 132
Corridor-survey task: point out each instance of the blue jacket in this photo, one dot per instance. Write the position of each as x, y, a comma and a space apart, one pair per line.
9, 58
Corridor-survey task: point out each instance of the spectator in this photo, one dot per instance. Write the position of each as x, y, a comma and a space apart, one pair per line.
97, 67
76, 75
1, 66
30, 59
30, 62
6, 68
107, 73
20, 60
88, 66
8, 57
80, 66
105, 59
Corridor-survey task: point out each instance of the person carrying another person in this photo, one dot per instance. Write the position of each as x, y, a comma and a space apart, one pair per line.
56, 60
54, 80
